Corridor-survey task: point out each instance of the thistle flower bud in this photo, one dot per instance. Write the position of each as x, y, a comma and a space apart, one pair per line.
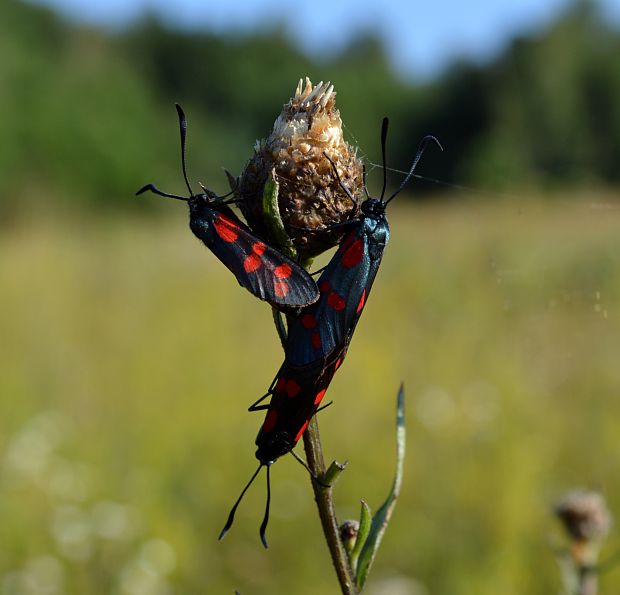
348, 534
310, 198
585, 515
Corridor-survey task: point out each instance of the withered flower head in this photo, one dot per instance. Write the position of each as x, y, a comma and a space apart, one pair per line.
585, 515
310, 198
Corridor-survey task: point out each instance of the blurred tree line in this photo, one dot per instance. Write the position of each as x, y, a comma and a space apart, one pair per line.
87, 115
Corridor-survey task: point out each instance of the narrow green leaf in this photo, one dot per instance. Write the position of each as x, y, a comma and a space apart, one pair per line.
271, 210
382, 517
362, 535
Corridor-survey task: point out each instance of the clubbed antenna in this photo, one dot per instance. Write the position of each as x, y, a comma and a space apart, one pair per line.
155, 190
231, 516
183, 131
263, 526
421, 148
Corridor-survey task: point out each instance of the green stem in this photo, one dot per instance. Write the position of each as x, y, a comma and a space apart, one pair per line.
588, 580
325, 503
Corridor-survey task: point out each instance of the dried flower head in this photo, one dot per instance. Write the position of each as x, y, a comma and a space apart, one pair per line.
585, 515
310, 198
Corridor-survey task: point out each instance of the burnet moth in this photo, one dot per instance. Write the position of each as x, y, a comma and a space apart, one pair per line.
261, 269
319, 336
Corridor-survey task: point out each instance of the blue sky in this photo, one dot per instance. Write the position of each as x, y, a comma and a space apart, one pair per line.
421, 37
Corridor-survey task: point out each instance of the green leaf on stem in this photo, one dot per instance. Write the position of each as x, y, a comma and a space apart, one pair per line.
382, 517
362, 535
271, 210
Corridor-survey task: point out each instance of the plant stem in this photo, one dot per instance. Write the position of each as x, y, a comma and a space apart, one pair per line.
325, 504
588, 580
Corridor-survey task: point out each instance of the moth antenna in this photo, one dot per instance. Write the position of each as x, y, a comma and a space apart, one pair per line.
263, 526
232, 201
221, 200
346, 190
421, 148
231, 516
364, 181
155, 190
210, 192
183, 131
384, 131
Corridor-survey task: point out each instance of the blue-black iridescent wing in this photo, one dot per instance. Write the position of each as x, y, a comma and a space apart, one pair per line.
262, 270
345, 284
296, 394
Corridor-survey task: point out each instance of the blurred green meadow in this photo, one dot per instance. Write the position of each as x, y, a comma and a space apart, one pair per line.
128, 358
128, 354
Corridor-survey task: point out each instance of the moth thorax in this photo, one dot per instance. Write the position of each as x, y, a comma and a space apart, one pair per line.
373, 207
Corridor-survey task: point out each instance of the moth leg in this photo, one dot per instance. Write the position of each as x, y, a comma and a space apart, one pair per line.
323, 407
256, 405
318, 271
305, 466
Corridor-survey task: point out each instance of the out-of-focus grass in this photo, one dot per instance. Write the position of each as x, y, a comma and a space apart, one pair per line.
128, 356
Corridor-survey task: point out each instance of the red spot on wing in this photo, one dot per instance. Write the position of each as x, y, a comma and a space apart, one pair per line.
279, 385
284, 271
338, 363
252, 263
280, 288
292, 388
362, 302
301, 432
316, 340
353, 255
336, 301
325, 286
258, 248
225, 228
270, 420
319, 396
308, 321
347, 242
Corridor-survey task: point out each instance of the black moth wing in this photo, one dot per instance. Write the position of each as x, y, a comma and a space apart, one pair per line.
296, 395
344, 286
262, 270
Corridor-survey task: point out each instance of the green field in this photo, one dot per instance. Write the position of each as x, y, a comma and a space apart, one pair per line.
128, 357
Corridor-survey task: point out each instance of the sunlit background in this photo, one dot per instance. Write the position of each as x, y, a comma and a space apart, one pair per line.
128, 355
